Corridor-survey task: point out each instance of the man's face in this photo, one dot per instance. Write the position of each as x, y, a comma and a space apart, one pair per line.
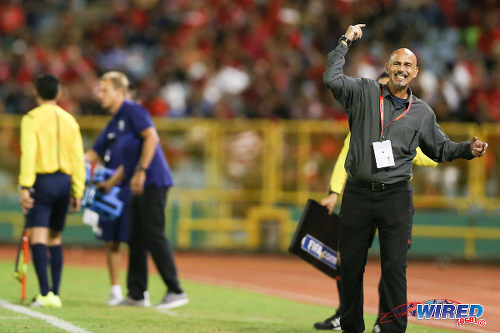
402, 68
109, 96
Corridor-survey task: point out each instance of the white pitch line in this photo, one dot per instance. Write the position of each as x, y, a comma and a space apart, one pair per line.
319, 300
261, 289
169, 312
54, 321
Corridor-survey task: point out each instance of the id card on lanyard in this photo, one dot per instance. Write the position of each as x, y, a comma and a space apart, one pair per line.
382, 149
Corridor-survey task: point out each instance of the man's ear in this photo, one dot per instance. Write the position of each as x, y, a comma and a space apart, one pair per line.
416, 72
59, 94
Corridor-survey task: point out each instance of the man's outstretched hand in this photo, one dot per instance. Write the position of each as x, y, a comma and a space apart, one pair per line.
354, 31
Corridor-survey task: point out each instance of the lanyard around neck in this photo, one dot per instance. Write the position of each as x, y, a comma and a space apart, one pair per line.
382, 127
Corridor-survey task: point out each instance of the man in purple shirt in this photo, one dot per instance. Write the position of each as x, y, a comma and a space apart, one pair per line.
149, 183
114, 231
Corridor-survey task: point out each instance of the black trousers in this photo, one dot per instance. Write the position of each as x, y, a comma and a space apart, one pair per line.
390, 212
147, 234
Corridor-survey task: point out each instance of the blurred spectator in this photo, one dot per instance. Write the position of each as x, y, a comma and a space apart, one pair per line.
248, 58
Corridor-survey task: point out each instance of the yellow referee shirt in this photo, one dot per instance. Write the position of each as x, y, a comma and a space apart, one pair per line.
51, 142
339, 175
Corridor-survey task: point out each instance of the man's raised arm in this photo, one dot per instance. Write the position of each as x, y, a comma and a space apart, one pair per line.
344, 88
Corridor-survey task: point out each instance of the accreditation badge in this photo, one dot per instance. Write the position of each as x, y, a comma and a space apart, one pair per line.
383, 153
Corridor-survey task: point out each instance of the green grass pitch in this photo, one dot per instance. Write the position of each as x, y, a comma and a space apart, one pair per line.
84, 293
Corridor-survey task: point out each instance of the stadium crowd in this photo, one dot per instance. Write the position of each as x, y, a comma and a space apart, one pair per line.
248, 58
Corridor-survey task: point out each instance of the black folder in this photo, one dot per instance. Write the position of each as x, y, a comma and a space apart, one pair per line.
316, 238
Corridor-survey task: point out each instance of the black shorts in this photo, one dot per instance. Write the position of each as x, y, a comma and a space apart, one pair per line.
51, 193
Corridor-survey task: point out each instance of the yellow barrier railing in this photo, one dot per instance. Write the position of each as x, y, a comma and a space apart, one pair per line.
235, 178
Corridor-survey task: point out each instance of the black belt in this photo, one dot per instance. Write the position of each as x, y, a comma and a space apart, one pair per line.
379, 187
53, 173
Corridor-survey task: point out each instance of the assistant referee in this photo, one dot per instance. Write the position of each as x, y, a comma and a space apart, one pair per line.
51, 178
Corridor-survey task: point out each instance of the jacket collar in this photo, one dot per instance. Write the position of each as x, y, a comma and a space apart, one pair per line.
387, 92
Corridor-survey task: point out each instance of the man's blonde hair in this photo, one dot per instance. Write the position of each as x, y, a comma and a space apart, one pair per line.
117, 79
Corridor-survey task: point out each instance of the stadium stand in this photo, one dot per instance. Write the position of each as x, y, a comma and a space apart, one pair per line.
248, 58
241, 184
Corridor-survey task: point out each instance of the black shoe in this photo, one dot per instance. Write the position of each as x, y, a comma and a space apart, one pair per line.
331, 323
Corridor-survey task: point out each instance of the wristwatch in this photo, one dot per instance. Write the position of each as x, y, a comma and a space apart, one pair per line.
30, 189
345, 39
140, 168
